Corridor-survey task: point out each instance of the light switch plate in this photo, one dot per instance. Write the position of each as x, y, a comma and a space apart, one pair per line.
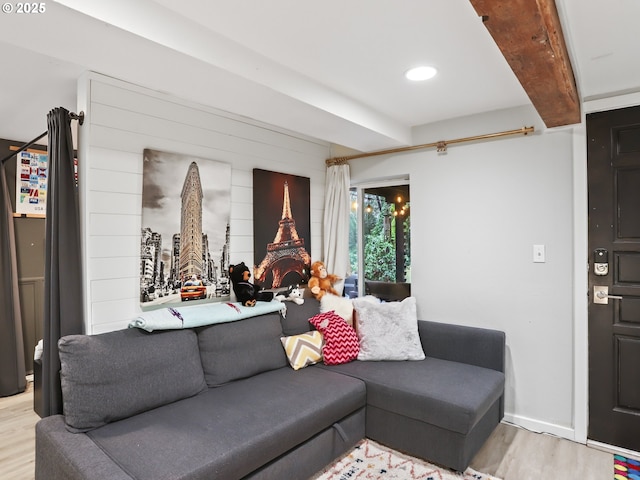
539, 254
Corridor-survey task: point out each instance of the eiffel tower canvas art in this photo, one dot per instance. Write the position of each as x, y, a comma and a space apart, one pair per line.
281, 229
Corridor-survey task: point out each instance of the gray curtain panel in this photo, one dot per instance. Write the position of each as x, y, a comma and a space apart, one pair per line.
12, 367
63, 308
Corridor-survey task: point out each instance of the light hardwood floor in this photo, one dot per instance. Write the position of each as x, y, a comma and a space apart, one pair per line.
510, 453
17, 436
513, 453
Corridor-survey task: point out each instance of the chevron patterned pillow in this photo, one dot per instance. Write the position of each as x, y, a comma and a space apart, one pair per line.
304, 349
340, 340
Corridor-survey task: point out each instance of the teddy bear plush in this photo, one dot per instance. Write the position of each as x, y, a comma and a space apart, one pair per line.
246, 292
321, 282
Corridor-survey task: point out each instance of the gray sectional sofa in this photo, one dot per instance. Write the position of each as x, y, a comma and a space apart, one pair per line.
222, 402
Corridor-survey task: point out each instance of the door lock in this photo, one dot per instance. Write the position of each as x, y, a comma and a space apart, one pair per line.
601, 261
601, 295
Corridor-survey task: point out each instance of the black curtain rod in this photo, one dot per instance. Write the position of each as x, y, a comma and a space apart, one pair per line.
23, 148
73, 116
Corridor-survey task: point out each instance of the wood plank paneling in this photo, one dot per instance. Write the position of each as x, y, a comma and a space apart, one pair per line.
111, 224
114, 246
154, 104
121, 121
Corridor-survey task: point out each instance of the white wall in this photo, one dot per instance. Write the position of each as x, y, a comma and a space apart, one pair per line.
477, 211
121, 121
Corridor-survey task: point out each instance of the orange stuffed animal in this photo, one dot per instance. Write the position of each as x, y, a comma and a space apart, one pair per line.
321, 282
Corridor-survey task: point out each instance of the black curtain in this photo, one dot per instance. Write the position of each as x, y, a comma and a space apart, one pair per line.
63, 308
12, 367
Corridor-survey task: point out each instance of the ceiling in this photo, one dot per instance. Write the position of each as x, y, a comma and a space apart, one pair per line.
332, 70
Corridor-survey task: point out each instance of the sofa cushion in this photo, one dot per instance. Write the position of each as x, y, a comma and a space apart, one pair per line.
447, 394
230, 431
340, 339
304, 349
296, 319
388, 331
118, 374
231, 351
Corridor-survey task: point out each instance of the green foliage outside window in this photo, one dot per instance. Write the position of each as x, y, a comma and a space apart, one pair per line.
380, 229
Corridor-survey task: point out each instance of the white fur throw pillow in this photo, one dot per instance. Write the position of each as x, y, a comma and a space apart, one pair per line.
388, 331
341, 305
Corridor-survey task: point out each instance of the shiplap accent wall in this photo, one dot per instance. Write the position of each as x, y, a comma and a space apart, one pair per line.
121, 121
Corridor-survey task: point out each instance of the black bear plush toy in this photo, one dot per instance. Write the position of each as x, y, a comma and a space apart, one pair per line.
246, 292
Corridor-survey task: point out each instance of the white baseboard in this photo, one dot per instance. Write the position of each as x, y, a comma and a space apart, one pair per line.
612, 449
538, 426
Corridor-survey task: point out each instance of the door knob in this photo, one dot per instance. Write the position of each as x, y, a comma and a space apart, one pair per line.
601, 295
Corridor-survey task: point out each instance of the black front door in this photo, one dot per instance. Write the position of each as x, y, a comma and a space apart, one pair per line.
613, 157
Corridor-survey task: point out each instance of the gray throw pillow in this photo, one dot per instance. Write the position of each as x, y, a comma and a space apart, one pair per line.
116, 375
388, 331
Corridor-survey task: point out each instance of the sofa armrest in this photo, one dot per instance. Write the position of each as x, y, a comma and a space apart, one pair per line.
475, 346
62, 455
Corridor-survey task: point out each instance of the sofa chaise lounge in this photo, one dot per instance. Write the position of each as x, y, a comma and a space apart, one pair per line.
222, 402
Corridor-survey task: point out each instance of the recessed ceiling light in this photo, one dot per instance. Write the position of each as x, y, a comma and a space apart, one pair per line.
419, 74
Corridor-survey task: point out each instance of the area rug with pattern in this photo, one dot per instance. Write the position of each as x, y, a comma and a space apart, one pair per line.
370, 460
625, 468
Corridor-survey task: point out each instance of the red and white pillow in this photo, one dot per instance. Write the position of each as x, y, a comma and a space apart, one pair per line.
340, 339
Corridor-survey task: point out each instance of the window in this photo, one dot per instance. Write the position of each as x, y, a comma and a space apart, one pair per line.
380, 241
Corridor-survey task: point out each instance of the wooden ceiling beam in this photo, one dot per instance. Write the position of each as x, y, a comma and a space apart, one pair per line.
529, 34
